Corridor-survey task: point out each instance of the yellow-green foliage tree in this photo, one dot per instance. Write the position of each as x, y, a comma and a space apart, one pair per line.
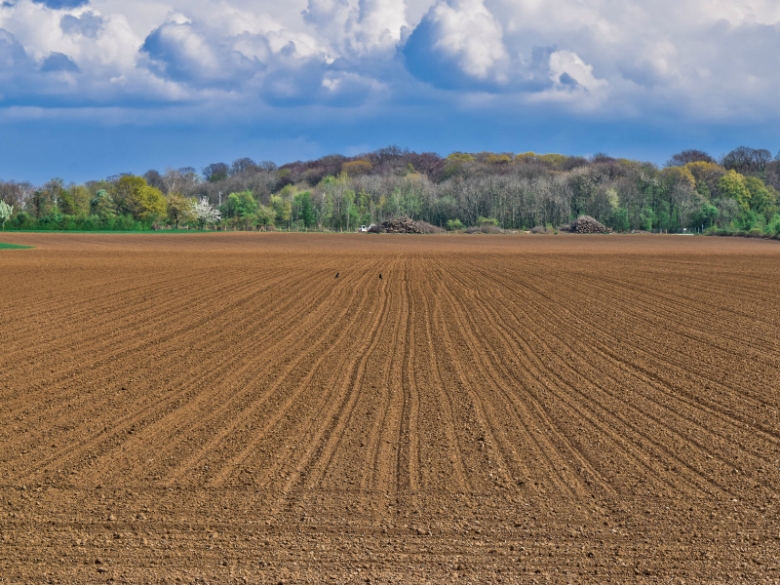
677, 176
455, 162
282, 209
75, 200
763, 198
131, 194
732, 185
82, 197
265, 216
497, 159
707, 175
124, 192
150, 203
180, 209
554, 160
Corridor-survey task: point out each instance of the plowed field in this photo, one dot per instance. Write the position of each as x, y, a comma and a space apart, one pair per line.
220, 408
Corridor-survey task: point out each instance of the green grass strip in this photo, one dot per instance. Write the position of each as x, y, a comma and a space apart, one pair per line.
4, 246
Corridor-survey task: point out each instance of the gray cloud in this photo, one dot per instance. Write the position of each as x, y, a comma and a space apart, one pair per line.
88, 24
59, 62
183, 52
12, 53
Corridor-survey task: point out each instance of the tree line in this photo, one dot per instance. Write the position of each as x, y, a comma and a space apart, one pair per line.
740, 193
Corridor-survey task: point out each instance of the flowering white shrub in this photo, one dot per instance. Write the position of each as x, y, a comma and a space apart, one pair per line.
205, 212
5, 212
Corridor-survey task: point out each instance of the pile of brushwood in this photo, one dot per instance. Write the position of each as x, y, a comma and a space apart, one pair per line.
404, 225
585, 224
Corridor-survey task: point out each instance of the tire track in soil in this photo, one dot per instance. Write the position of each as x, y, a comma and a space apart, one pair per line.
292, 425
408, 452
355, 462
435, 403
322, 437
384, 442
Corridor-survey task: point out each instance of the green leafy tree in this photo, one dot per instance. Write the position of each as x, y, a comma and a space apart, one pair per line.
706, 215
763, 198
647, 219
773, 227
619, 220
242, 204
265, 216
491, 221
102, 205
305, 208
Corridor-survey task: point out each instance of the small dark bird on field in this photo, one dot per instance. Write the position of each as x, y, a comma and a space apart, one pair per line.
380, 277
337, 274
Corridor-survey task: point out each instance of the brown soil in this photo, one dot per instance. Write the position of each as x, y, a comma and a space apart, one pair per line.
219, 408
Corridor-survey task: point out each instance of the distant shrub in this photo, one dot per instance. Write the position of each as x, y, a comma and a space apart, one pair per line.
773, 227
485, 229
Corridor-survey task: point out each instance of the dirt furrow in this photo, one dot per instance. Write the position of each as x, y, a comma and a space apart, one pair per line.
643, 447
660, 387
221, 408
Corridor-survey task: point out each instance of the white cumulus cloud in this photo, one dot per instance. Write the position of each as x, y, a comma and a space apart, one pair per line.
701, 58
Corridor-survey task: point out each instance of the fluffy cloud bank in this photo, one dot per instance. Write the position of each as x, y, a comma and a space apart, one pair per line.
697, 57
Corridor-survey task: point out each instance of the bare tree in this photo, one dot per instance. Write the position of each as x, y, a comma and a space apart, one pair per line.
689, 156
747, 160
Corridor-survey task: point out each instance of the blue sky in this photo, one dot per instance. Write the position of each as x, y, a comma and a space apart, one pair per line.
90, 88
